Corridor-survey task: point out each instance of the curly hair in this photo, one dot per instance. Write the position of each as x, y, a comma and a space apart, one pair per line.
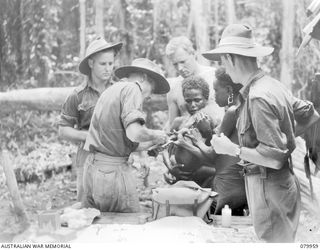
196, 82
179, 42
225, 80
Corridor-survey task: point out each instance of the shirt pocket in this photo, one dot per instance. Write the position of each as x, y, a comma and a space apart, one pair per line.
85, 112
85, 106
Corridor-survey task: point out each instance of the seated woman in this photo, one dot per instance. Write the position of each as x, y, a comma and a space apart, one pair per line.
189, 164
228, 182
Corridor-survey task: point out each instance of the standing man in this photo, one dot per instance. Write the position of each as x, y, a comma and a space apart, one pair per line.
117, 129
266, 136
182, 54
77, 110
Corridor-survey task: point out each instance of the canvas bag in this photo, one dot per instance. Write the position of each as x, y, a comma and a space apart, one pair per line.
184, 198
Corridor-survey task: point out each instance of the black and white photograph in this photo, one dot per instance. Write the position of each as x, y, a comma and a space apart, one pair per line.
149, 123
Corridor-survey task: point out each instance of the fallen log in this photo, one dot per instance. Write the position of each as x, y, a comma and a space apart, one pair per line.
48, 99
45, 99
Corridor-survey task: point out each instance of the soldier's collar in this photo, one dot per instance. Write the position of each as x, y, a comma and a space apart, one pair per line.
244, 92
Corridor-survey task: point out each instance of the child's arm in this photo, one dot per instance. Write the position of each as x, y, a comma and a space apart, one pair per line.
177, 123
198, 141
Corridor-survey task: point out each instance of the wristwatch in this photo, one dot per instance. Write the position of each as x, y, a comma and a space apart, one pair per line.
238, 151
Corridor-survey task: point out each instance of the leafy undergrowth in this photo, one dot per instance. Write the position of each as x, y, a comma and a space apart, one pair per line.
54, 193
43, 162
24, 131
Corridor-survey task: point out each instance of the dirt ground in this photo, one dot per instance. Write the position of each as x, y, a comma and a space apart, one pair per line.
55, 193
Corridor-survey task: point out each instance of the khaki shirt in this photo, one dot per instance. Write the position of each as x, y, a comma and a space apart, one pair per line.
78, 108
118, 107
267, 116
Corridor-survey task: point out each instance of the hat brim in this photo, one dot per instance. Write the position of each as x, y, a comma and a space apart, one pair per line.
162, 85
83, 65
256, 51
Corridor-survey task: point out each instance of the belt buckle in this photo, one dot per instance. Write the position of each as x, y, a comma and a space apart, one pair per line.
244, 171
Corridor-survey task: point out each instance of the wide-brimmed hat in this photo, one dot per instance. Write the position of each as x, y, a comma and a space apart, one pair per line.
144, 65
237, 39
97, 45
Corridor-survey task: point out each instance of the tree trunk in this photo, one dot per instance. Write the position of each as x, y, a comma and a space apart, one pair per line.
156, 20
120, 20
287, 42
159, 11
216, 29
99, 17
216, 22
19, 6
82, 10
126, 53
190, 20
199, 16
13, 187
231, 12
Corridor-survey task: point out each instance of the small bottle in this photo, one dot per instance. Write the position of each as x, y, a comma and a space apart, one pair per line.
226, 216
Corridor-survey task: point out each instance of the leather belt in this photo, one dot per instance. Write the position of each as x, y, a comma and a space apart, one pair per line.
250, 170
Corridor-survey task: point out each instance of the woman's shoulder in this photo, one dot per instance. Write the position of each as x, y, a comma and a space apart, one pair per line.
231, 111
229, 121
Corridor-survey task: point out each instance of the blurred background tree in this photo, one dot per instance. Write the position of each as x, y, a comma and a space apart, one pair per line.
41, 41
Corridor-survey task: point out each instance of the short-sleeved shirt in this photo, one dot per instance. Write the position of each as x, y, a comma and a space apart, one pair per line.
118, 107
78, 108
266, 117
212, 108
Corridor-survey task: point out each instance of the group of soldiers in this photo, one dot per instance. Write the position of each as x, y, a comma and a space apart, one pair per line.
232, 129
